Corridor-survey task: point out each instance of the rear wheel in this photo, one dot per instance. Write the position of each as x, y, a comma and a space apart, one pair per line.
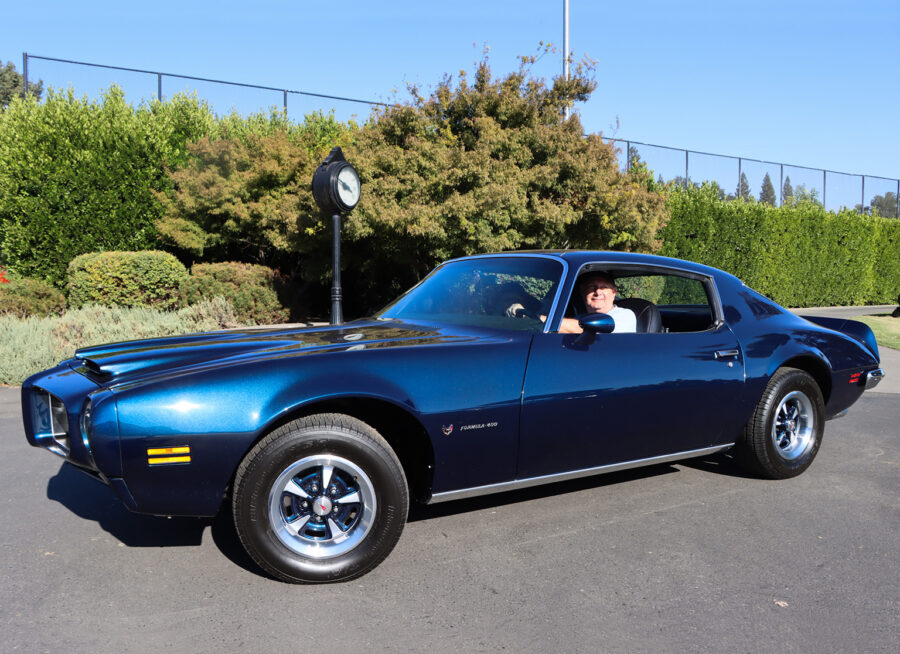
783, 436
320, 499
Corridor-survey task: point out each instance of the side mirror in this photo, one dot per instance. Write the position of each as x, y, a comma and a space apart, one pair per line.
597, 323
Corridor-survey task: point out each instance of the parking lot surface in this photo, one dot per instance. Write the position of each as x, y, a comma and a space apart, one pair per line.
695, 556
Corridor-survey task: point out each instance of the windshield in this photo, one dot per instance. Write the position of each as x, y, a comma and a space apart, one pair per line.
504, 292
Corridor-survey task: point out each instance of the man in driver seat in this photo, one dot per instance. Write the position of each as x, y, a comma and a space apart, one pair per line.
598, 291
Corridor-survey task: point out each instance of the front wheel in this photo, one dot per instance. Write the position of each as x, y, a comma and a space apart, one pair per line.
783, 436
320, 499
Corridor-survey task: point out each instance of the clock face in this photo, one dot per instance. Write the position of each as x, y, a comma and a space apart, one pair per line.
348, 186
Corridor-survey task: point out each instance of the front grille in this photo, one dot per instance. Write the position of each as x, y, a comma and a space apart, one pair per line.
50, 422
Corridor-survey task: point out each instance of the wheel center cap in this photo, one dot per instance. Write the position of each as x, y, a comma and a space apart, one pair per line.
321, 506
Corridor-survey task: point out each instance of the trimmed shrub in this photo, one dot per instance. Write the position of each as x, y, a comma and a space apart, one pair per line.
28, 345
799, 256
251, 289
23, 296
126, 279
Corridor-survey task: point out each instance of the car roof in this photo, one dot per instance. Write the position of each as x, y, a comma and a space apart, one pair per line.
578, 258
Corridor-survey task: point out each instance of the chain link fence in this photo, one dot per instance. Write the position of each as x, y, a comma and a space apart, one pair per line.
740, 176
736, 176
222, 96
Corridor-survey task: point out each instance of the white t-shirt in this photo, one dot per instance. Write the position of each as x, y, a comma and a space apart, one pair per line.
624, 318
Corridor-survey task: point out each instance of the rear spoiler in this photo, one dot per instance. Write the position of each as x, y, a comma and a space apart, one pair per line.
856, 330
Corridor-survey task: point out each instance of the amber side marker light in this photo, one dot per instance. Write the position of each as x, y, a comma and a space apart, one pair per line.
162, 455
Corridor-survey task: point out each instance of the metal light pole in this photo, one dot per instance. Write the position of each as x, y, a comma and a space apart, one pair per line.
566, 48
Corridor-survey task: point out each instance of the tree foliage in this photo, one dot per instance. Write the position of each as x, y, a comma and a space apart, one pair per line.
787, 191
767, 192
474, 166
489, 165
801, 195
11, 83
885, 205
743, 188
244, 195
239, 199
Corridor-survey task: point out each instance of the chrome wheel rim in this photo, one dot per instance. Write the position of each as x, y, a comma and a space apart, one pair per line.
322, 506
793, 430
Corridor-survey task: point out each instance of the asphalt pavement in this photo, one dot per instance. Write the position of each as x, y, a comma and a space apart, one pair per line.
674, 558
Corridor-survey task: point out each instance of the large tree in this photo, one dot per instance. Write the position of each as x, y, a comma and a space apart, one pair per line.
885, 205
767, 192
787, 192
11, 85
743, 188
474, 166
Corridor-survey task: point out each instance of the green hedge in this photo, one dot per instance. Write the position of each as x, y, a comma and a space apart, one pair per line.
79, 175
22, 296
251, 289
798, 256
126, 279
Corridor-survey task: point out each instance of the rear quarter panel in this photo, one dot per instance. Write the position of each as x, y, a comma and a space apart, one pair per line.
772, 337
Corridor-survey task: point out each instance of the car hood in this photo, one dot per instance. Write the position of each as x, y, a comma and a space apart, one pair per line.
121, 362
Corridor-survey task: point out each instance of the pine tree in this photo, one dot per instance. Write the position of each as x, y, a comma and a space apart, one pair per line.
767, 192
743, 188
787, 192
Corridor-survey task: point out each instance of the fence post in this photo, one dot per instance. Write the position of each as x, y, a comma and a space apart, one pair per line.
24, 75
781, 187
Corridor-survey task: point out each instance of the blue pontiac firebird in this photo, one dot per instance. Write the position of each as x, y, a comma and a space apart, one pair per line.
317, 438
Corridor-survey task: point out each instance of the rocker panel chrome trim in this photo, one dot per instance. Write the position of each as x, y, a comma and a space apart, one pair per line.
517, 484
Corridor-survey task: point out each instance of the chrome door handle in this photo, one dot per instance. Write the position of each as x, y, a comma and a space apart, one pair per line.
721, 354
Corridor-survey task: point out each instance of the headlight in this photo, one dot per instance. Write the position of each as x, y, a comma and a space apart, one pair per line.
49, 421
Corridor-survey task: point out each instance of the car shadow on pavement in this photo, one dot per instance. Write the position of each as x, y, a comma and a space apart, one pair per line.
426, 512
227, 540
720, 464
90, 499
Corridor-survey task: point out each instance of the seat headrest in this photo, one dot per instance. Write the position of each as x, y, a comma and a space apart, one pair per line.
648, 317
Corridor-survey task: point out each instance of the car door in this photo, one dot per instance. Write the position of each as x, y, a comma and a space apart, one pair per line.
629, 396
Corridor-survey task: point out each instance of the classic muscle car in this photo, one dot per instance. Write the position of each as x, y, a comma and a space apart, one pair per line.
317, 439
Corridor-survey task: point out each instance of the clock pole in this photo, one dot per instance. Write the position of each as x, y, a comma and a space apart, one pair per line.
336, 189
337, 311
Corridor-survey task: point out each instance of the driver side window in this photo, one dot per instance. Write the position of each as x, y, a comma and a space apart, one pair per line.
662, 302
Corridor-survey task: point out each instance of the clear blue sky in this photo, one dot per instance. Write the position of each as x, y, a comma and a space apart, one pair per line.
813, 83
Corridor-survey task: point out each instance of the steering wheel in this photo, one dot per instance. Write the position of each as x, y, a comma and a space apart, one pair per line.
517, 310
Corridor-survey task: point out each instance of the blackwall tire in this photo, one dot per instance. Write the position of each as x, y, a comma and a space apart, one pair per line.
785, 433
321, 499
